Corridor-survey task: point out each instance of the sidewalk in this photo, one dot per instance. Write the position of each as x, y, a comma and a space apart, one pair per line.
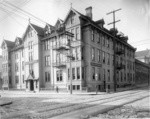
53, 92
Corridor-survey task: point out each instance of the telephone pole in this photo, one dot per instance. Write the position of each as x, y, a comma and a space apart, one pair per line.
114, 42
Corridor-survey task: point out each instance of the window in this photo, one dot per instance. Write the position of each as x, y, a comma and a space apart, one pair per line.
72, 38
16, 56
72, 19
103, 40
23, 65
30, 68
108, 62
99, 74
92, 35
78, 53
17, 79
47, 60
47, 45
99, 56
82, 72
68, 73
16, 67
77, 33
108, 75
93, 54
30, 56
30, 45
22, 53
47, 76
78, 72
74, 87
78, 87
93, 73
59, 75
23, 78
103, 57
104, 74
98, 38
73, 73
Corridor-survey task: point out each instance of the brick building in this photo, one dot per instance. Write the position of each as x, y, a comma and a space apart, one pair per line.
41, 58
142, 72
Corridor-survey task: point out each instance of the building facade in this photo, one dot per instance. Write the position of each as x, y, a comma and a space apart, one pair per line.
0, 71
142, 71
76, 48
143, 56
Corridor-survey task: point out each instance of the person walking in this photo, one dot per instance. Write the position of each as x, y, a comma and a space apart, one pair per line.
57, 89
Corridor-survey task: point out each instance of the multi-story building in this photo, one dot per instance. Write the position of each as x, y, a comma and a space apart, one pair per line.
142, 71
76, 48
143, 56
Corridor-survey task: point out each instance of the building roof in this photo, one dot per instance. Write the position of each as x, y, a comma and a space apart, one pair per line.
9, 43
143, 53
38, 29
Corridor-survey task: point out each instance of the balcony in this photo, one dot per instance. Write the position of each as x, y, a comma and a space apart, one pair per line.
120, 66
59, 65
61, 47
120, 51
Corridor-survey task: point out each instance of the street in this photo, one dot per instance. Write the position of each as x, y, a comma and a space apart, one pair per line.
43, 106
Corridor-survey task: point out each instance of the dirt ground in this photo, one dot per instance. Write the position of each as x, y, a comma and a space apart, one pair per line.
138, 109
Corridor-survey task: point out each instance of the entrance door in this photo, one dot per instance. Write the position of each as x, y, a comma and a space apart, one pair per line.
31, 85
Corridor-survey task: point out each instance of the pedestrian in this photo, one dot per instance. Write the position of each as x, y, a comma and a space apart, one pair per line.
57, 89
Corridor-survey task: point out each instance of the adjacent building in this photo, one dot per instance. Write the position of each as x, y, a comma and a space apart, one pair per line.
0, 71
142, 71
143, 56
76, 48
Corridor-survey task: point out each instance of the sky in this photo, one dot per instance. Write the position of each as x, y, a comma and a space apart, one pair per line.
134, 16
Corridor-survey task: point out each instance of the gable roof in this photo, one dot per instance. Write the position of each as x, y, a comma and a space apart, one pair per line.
38, 29
143, 53
9, 43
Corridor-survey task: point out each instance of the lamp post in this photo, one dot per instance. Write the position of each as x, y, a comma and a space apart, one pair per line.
96, 77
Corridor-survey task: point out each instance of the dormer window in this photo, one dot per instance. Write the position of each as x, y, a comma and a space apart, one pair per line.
72, 19
48, 30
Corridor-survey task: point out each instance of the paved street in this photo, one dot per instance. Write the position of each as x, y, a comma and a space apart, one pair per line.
52, 105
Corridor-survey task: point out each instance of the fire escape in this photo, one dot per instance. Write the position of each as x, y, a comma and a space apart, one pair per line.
63, 48
120, 52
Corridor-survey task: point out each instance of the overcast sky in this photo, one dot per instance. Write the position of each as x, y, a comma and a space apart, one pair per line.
134, 16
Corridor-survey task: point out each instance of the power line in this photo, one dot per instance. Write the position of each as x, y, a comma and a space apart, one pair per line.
8, 12
25, 11
12, 17
13, 11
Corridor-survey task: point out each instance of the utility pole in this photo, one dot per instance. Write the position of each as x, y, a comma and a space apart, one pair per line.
114, 42
70, 55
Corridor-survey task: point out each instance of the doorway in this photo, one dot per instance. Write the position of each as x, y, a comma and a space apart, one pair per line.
31, 85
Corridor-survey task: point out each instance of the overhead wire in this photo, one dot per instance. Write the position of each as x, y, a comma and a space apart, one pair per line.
12, 17
23, 11
13, 11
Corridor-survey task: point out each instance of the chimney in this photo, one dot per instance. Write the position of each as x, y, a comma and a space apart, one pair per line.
89, 12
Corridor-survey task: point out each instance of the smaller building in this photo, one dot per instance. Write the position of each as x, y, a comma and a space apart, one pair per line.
142, 72
0, 71
143, 56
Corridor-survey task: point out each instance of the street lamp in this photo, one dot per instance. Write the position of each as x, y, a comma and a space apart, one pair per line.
96, 77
